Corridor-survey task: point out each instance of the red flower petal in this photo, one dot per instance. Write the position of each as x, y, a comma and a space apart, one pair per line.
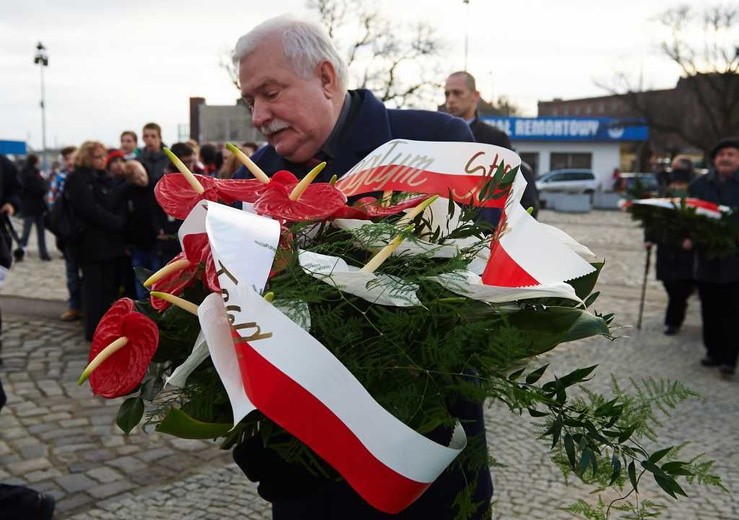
197, 247
175, 283
370, 207
209, 275
177, 198
122, 372
110, 324
318, 201
232, 190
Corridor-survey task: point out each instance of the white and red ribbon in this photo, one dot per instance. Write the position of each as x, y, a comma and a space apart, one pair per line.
268, 362
702, 207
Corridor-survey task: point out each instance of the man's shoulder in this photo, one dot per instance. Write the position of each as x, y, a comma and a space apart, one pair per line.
485, 133
427, 125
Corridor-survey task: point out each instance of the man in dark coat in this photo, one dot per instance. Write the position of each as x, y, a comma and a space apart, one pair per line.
152, 156
33, 204
461, 98
718, 278
302, 107
674, 260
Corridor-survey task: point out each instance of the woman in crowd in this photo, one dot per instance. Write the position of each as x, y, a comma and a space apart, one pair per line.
100, 205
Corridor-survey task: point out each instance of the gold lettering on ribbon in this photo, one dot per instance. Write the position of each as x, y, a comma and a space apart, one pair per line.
479, 169
231, 310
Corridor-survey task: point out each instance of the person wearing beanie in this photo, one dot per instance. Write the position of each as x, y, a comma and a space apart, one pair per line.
114, 163
718, 278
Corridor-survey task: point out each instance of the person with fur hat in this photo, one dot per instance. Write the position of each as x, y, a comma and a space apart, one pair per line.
718, 278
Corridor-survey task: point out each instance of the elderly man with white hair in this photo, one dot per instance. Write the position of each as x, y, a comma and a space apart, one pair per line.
295, 85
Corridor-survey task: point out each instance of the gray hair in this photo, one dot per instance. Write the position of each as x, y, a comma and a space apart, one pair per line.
305, 45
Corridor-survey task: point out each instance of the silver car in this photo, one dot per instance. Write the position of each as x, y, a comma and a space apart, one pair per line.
566, 181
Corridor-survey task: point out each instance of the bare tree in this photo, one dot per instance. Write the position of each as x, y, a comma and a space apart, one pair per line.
401, 64
705, 104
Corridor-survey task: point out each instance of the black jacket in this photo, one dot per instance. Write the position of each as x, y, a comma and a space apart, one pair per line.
708, 187
141, 222
485, 133
9, 184
33, 195
101, 207
155, 164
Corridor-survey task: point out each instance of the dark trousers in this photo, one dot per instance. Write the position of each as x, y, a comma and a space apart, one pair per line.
720, 314
678, 292
29, 221
100, 288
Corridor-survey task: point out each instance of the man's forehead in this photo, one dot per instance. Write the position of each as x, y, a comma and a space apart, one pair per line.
456, 83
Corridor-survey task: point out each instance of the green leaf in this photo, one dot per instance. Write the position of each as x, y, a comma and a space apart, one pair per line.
534, 376
591, 299
585, 460
515, 375
130, 414
577, 376
570, 450
669, 485
533, 412
546, 328
677, 468
584, 285
658, 455
616, 464
181, 425
632, 474
626, 434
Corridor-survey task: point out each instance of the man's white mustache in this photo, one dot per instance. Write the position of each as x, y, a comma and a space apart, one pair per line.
273, 126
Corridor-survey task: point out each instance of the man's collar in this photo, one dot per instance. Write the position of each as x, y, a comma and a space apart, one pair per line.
330, 147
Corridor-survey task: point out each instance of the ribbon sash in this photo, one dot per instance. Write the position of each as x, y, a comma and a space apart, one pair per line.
295, 381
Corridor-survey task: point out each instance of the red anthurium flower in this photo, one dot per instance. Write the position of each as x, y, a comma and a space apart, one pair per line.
197, 251
370, 207
174, 283
122, 372
176, 197
317, 202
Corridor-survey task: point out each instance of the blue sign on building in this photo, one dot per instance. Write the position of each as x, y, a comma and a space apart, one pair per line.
12, 147
596, 129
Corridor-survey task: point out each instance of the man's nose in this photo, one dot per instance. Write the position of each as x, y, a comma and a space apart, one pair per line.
260, 114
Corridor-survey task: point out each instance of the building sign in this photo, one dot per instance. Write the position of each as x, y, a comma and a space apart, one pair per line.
12, 147
601, 129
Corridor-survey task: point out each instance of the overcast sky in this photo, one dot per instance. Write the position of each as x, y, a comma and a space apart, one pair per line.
117, 64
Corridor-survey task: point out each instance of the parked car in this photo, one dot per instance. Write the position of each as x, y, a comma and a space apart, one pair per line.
574, 181
638, 185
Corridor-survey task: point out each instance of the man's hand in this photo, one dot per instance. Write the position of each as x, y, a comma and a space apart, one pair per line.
8, 209
687, 244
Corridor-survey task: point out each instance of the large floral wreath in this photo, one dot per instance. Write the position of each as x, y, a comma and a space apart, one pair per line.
351, 326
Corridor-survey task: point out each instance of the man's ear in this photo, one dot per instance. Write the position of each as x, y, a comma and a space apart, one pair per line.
329, 79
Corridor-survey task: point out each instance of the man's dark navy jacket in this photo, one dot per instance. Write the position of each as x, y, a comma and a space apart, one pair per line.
294, 493
368, 126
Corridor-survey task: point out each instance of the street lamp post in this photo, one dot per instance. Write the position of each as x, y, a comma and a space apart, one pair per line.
42, 60
466, 30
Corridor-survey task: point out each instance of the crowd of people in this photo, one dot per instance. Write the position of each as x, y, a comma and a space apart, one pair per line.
111, 191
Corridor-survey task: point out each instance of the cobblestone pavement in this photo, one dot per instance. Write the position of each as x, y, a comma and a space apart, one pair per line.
56, 437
